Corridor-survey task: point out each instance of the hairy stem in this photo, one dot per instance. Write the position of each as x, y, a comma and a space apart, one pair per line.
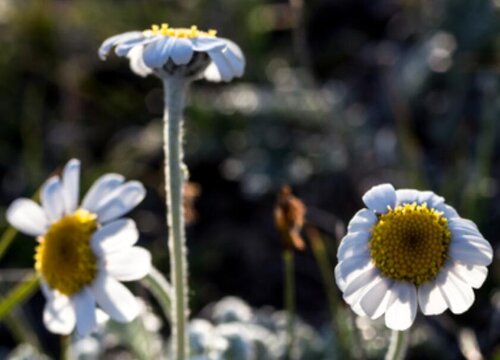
175, 93
398, 346
288, 260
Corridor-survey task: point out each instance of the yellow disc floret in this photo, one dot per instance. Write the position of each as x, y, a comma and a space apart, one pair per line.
64, 257
410, 243
190, 33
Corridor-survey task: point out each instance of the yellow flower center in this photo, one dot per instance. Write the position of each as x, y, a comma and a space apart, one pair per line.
410, 243
64, 257
165, 30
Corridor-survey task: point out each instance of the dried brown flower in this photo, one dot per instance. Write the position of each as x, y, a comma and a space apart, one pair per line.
289, 216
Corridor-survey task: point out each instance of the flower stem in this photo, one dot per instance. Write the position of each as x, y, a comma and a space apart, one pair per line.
6, 240
175, 93
161, 290
398, 345
288, 261
17, 295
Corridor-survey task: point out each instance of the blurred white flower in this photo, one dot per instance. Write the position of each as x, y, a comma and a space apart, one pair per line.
407, 248
190, 52
231, 309
84, 251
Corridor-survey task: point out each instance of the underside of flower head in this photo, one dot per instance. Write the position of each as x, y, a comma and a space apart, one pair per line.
187, 52
409, 249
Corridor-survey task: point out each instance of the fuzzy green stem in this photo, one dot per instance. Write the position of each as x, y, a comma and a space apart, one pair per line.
161, 290
17, 295
66, 347
6, 240
175, 93
398, 346
288, 262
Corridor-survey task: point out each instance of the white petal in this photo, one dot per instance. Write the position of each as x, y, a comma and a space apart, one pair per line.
137, 62
430, 297
406, 196
157, 53
459, 295
376, 299
471, 253
432, 200
28, 217
115, 299
52, 197
212, 73
380, 198
470, 274
108, 44
350, 267
205, 44
85, 309
124, 48
223, 66
353, 244
448, 211
363, 280
71, 184
130, 264
101, 187
59, 315
363, 220
120, 201
458, 228
234, 57
114, 236
402, 310
182, 51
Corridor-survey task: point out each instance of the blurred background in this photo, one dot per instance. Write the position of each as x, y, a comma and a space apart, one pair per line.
338, 95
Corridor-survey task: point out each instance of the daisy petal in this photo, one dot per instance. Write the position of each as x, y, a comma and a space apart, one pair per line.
401, 312
124, 48
182, 51
447, 210
115, 299
71, 185
120, 201
471, 253
157, 53
28, 217
428, 197
223, 67
363, 220
406, 196
101, 187
376, 299
114, 236
431, 299
205, 44
380, 198
234, 57
363, 280
349, 267
353, 244
459, 295
470, 274
108, 44
59, 315
130, 264
52, 197
212, 73
137, 62
459, 228
85, 309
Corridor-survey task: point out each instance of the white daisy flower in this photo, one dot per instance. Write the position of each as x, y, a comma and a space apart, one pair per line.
190, 52
409, 247
84, 251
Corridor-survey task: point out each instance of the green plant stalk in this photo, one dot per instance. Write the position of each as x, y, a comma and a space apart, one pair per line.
6, 240
398, 345
289, 269
175, 88
338, 322
17, 295
161, 290
66, 347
